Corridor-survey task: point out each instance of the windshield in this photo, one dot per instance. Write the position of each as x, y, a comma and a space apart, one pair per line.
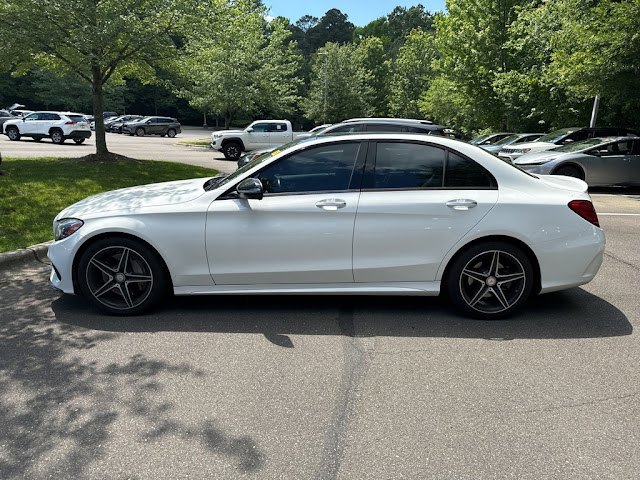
553, 137
508, 139
580, 145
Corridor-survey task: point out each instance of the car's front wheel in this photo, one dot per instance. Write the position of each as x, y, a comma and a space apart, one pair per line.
490, 280
13, 133
122, 276
232, 151
569, 171
140, 132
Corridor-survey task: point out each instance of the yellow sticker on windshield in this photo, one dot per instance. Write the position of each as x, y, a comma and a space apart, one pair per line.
275, 152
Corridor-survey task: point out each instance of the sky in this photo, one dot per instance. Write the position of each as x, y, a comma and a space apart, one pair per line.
360, 12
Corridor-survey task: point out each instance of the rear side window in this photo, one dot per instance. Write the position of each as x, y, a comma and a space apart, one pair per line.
384, 128
462, 172
401, 165
345, 129
408, 165
77, 118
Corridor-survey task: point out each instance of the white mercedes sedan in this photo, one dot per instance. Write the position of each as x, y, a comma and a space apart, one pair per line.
367, 214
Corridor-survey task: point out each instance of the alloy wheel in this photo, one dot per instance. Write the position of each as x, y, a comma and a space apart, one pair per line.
119, 277
492, 282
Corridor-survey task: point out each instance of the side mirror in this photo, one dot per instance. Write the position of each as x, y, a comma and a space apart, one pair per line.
250, 188
249, 129
148, 122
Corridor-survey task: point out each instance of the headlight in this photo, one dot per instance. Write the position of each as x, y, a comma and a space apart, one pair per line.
66, 227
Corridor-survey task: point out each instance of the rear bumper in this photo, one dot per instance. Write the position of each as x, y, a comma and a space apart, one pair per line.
79, 134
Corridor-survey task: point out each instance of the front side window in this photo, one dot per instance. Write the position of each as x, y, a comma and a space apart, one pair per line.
384, 128
345, 129
260, 127
32, 117
319, 169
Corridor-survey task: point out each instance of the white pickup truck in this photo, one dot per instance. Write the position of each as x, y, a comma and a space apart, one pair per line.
260, 134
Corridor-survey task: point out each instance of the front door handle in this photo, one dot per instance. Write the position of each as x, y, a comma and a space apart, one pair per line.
331, 204
462, 204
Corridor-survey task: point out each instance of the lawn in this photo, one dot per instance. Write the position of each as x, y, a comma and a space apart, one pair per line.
36, 189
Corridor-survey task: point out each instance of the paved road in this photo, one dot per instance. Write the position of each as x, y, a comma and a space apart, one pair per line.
149, 148
330, 387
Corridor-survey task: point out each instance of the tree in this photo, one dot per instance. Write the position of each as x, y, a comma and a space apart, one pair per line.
240, 68
375, 72
100, 42
413, 73
333, 27
336, 77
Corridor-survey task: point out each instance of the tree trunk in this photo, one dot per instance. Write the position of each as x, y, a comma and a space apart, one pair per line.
98, 109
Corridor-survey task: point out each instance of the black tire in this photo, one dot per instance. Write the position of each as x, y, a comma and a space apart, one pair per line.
490, 280
171, 133
57, 136
232, 151
79, 141
140, 132
13, 133
122, 276
569, 171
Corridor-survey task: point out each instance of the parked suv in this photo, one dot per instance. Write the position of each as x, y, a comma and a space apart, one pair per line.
153, 126
57, 125
385, 125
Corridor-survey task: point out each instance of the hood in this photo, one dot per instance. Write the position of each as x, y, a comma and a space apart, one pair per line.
532, 146
132, 199
565, 183
220, 133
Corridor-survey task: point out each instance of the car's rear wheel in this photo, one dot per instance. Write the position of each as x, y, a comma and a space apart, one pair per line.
140, 132
13, 133
122, 276
171, 133
56, 136
490, 280
232, 151
78, 140
569, 171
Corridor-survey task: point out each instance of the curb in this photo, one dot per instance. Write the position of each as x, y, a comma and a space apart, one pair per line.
24, 255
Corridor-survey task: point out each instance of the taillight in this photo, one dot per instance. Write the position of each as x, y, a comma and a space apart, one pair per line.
585, 209
70, 122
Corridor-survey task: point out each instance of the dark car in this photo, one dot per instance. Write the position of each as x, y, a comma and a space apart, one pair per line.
153, 126
115, 124
489, 138
384, 125
4, 116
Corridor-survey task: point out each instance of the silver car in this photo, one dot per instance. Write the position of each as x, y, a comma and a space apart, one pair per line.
607, 161
515, 139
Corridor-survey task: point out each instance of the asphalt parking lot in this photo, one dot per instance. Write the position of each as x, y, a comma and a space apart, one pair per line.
325, 387
151, 147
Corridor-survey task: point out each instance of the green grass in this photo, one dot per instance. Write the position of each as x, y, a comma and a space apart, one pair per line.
36, 189
203, 143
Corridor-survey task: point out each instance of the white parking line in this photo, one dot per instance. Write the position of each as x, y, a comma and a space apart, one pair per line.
621, 214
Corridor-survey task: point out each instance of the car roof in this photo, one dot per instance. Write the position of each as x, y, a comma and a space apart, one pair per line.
388, 119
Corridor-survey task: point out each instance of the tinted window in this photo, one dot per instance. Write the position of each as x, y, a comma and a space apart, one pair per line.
635, 150
344, 129
277, 127
462, 172
577, 136
380, 127
408, 165
31, 117
318, 169
260, 127
77, 118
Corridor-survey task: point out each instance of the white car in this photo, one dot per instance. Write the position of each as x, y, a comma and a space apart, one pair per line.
58, 126
370, 214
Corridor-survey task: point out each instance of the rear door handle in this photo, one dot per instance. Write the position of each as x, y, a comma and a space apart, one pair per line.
331, 204
462, 204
